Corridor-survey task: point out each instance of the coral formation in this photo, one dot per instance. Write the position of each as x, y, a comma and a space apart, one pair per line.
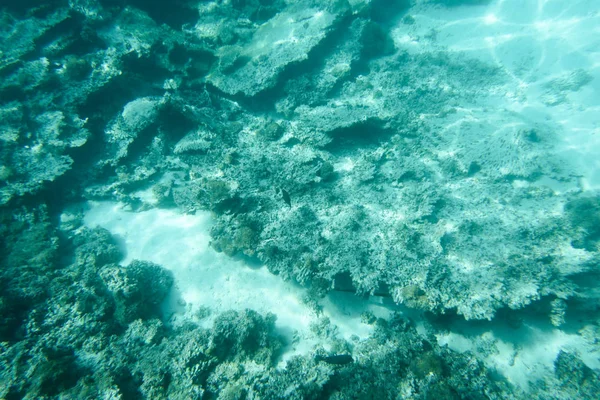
326, 147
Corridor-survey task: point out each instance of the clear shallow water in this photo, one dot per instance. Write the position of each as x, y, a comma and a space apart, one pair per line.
270, 199
550, 52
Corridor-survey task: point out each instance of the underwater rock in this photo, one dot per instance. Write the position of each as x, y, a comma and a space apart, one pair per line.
574, 377
245, 334
37, 149
584, 215
285, 39
18, 36
136, 116
137, 289
331, 140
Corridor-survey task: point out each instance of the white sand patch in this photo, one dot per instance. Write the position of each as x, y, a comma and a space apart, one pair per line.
207, 279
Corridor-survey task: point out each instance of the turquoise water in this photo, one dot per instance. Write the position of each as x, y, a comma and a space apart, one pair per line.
268, 199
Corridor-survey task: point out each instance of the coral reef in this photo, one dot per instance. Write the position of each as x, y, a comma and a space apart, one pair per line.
92, 329
325, 148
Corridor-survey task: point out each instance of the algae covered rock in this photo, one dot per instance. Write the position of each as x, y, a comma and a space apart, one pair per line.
285, 39
136, 116
574, 377
37, 149
137, 289
335, 142
245, 334
584, 215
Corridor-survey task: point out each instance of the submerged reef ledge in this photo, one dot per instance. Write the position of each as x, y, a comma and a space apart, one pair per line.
345, 145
